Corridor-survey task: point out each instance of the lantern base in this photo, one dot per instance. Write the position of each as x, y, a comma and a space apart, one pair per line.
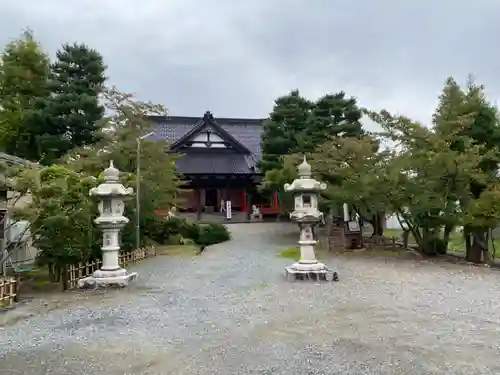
316, 272
107, 279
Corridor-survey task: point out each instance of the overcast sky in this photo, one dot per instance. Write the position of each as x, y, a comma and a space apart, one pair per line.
234, 57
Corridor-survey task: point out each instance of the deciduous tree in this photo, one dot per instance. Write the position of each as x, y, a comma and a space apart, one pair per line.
483, 129
24, 73
127, 121
61, 216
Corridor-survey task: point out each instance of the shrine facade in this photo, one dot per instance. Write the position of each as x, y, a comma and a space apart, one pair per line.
218, 159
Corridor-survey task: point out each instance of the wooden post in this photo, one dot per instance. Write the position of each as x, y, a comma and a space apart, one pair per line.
227, 195
198, 205
248, 199
64, 277
17, 287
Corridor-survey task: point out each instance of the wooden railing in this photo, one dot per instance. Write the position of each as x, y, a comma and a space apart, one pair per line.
9, 287
73, 273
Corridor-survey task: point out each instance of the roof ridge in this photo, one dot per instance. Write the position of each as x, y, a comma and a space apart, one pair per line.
220, 120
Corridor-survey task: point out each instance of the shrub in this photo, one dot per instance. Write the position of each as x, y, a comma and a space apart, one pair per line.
191, 230
213, 233
177, 231
175, 239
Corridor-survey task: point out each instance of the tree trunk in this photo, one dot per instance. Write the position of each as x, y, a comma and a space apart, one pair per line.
446, 236
57, 271
378, 229
52, 276
478, 248
406, 238
377, 224
467, 239
487, 255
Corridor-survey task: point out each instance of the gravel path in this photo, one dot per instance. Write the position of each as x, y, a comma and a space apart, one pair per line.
230, 311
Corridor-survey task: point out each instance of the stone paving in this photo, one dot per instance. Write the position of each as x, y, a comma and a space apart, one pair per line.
230, 311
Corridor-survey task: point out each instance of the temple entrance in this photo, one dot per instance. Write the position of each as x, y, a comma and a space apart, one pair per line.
211, 199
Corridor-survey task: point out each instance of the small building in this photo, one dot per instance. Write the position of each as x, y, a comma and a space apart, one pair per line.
219, 162
14, 233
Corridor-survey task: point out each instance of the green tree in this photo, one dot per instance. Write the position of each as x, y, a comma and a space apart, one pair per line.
331, 115
483, 129
71, 117
279, 134
352, 167
61, 216
127, 121
298, 125
428, 181
24, 73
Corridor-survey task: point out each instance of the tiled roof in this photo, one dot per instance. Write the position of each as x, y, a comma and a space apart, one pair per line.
214, 164
245, 131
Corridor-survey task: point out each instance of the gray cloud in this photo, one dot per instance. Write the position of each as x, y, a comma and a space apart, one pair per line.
236, 57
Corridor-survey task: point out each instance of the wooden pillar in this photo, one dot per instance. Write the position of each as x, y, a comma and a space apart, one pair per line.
248, 203
248, 197
198, 204
227, 189
243, 199
275, 203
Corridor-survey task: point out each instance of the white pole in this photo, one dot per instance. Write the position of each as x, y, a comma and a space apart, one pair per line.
137, 191
346, 212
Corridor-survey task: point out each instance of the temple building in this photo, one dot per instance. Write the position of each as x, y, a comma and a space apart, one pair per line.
219, 162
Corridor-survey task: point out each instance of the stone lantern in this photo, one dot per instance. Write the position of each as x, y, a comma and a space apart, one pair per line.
111, 194
305, 190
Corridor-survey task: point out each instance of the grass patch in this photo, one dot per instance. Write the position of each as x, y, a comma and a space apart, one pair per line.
456, 243
177, 250
290, 253
294, 253
36, 273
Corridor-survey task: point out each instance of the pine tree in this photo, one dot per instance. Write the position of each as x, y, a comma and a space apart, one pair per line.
332, 115
280, 132
73, 112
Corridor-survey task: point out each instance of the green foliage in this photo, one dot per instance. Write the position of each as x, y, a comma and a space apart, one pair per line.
24, 73
279, 133
71, 116
159, 182
177, 231
483, 130
331, 115
213, 233
61, 215
297, 125
433, 179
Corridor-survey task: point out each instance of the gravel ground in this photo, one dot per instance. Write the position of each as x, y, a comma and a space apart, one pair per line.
230, 311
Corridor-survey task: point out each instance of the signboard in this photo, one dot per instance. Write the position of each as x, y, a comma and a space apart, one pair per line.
229, 214
353, 226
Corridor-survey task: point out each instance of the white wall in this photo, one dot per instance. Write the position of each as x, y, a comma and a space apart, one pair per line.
392, 222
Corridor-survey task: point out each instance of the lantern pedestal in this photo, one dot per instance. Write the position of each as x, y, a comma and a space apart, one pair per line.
107, 279
110, 274
308, 267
